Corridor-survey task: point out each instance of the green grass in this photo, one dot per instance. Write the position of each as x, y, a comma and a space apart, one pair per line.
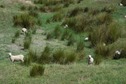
107, 72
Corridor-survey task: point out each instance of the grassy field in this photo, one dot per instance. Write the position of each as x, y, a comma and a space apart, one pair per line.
79, 72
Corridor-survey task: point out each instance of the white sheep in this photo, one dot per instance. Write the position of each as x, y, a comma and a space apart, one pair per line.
24, 30
118, 52
16, 57
66, 26
120, 4
90, 59
125, 16
104, 44
86, 39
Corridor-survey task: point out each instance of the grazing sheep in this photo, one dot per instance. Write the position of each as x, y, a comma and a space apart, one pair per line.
16, 57
125, 16
120, 4
66, 26
104, 44
90, 59
86, 39
24, 30
117, 54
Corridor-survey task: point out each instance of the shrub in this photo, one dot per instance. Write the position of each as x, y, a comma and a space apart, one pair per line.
107, 9
100, 49
71, 40
34, 31
80, 45
70, 57
17, 34
33, 13
97, 59
13, 40
27, 61
58, 16
80, 55
49, 36
113, 32
23, 8
33, 56
37, 70
57, 32
27, 41
59, 56
66, 5
74, 12
24, 20
2, 6
103, 18
66, 34
45, 56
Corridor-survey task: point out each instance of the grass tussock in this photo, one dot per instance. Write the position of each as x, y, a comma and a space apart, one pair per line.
17, 34
105, 34
27, 41
97, 59
102, 50
32, 55
37, 70
64, 57
80, 45
45, 56
27, 61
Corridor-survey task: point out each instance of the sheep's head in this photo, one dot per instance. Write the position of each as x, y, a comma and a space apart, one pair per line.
89, 56
9, 54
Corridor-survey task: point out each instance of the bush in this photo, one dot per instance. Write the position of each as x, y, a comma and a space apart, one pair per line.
57, 32
37, 70
97, 59
49, 36
71, 40
2, 6
45, 56
17, 34
113, 32
80, 45
74, 12
103, 18
58, 16
27, 41
32, 55
66, 34
105, 33
70, 57
13, 40
24, 20
80, 55
100, 49
27, 61
59, 56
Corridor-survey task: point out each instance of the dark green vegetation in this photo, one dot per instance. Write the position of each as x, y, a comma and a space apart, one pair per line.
56, 53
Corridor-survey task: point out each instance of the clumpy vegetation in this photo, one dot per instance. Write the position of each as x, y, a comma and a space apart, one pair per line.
37, 70
60, 36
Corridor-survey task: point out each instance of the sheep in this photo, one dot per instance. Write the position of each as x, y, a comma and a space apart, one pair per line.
16, 57
66, 26
104, 44
117, 54
86, 39
90, 59
120, 4
125, 16
24, 30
